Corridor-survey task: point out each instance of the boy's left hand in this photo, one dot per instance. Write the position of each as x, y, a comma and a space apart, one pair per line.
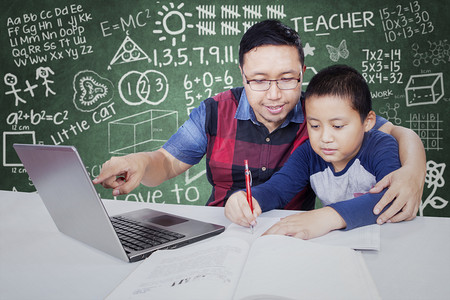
309, 224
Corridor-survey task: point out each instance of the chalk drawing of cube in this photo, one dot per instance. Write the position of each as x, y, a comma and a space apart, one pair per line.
424, 89
145, 131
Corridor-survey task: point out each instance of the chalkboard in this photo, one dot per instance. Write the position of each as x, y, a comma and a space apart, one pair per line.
116, 77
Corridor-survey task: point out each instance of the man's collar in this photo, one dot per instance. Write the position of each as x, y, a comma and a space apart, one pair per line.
245, 112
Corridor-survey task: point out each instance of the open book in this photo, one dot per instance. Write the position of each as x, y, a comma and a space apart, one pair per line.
241, 265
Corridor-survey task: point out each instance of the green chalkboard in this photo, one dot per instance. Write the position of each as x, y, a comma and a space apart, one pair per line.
117, 77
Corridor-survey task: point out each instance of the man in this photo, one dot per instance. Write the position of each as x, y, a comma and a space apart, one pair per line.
263, 121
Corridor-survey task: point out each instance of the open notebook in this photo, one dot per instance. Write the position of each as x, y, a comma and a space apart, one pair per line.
241, 265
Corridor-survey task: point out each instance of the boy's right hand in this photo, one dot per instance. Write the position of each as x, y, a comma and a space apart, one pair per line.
238, 211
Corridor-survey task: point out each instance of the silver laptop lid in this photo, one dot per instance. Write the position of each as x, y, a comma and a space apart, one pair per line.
69, 195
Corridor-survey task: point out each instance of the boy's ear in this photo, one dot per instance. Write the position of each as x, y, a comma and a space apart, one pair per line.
370, 121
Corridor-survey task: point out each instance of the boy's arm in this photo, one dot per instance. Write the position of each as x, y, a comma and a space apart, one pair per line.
274, 193
405, 185
315, 223
381, 157
360, 212
286, 182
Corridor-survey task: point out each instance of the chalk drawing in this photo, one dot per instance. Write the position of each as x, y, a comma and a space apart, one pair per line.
434, 179
136, 88
340, 51
44, 73
129, 51
91, 91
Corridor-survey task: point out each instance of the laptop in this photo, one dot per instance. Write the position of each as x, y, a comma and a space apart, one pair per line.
68, 193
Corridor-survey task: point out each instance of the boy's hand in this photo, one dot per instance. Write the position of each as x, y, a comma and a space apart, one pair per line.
309, 224
238, 211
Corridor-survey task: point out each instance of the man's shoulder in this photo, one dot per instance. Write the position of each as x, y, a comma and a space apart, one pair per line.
222, 106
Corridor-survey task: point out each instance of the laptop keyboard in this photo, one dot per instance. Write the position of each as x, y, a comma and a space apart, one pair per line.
138, 236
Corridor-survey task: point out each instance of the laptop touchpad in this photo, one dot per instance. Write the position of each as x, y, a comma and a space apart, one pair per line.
167, 220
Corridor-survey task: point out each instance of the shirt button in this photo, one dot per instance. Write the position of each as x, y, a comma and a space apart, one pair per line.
267, 139
263, 169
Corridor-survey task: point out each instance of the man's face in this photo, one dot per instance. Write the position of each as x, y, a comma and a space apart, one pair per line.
272, 63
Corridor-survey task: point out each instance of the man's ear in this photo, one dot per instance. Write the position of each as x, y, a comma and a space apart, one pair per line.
242, 75
370, 121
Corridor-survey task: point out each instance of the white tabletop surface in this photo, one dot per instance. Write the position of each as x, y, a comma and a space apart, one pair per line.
38, 262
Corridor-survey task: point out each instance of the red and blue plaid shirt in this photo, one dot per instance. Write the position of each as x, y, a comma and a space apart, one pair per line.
226, 130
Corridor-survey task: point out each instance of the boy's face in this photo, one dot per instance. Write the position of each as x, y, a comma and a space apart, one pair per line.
272, 63
335, 129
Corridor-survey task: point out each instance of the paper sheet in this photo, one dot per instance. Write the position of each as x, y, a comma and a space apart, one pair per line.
362, 238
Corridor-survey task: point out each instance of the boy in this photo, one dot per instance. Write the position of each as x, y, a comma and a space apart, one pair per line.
342, 160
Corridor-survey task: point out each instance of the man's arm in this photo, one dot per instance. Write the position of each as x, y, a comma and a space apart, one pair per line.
183, 150
125, 173
405, 185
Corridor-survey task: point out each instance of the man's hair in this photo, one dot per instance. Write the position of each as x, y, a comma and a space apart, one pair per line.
344, 82
269, 32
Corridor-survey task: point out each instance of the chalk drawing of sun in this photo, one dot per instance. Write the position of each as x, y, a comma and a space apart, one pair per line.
173, 22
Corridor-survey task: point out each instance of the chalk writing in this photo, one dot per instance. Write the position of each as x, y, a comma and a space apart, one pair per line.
382, 66
322, 24
134, 21
405, 21
429, 128
50, 35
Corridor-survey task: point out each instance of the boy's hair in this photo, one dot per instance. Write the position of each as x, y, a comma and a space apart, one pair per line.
344, 82
269, 32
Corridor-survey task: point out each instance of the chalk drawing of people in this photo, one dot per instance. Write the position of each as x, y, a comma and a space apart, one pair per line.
44, 73
11, 80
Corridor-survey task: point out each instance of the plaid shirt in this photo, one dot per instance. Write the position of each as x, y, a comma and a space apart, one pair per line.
233, 135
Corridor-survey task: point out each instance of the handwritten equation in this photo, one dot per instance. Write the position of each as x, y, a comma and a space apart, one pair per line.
381, 66
405, 21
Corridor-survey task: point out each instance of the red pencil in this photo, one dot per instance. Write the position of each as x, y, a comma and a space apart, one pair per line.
248, 184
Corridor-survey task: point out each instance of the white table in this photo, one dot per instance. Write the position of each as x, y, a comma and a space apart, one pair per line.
38, 262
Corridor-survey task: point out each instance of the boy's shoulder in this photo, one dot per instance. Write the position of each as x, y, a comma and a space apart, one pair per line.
375, 143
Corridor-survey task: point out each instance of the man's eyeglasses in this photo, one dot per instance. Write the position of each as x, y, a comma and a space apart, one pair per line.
282, 84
